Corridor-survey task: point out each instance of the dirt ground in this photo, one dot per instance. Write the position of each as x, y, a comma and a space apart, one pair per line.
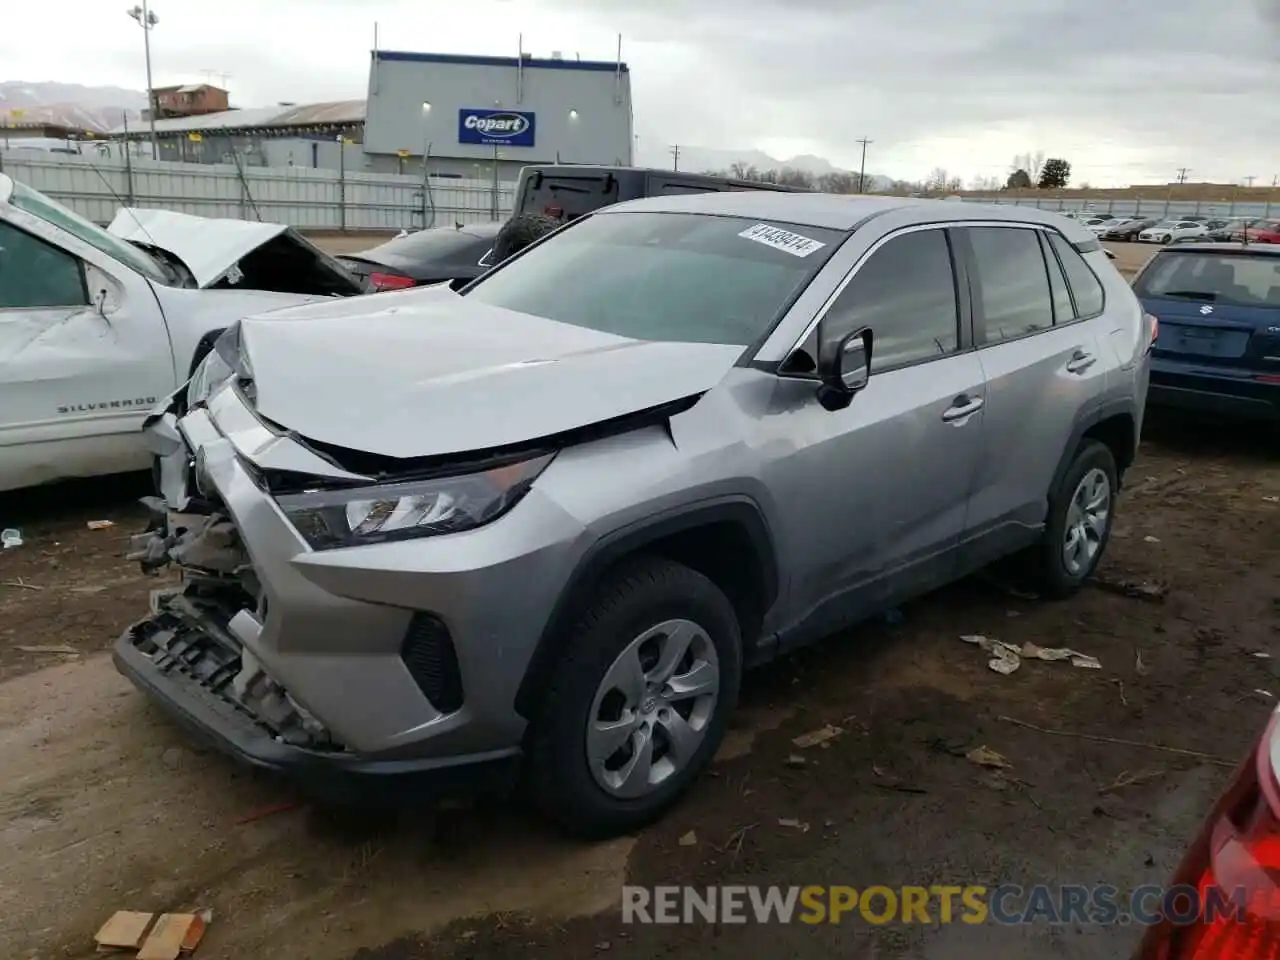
104, 805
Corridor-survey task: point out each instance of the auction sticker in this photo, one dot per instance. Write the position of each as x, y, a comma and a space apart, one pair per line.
793, 243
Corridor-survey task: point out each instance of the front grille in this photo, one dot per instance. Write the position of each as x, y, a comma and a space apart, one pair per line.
432, 661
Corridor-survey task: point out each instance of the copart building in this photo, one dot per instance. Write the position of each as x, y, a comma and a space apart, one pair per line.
475, 117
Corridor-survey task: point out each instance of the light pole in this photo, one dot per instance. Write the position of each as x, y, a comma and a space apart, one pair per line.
146, 20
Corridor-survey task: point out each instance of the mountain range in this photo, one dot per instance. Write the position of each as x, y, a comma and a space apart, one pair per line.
698, 159
70, 104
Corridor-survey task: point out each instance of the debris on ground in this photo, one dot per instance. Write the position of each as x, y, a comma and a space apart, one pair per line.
1264, 693
1006, 657
19, 582
795, 760
1139, 667
172, 935
1133, 589
793, 824
10, 537
59, 648
815, 737
1120, 741
124, 931
1150, 539
690, 839
1261, 655
1127, 779
100, 524
984, 756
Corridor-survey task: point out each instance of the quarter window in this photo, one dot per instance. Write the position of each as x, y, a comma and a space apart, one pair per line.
1013, 285
906, 294
1063, 309
1085, 285
34, 274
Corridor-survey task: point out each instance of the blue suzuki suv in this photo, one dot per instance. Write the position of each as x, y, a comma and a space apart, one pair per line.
1218, 308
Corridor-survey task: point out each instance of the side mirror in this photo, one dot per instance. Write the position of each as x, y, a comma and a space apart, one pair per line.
845, 369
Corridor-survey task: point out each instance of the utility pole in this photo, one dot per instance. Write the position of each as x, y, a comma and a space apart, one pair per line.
1248, 181
1182, 174
862, 170
675, 157
146, 20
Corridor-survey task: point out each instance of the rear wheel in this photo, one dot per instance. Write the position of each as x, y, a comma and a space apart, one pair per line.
639, 701
1081, 511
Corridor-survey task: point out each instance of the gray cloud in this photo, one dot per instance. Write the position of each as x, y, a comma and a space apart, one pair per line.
1192, 83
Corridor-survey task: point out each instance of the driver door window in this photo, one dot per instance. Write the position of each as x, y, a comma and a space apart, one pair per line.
36, 275
906, 293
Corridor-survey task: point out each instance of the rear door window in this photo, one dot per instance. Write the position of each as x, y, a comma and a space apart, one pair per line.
1012, 282
1064, 311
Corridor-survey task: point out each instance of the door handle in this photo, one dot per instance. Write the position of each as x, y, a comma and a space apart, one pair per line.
1080, 362
961, 407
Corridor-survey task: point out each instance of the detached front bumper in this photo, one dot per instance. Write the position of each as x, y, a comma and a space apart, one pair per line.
333, 775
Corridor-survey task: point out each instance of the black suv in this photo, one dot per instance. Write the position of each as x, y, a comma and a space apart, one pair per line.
567, 191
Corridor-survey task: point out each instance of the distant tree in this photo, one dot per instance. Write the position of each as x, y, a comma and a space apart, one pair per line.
1018, 180
796, 178
840, 181
1033, 163
742, 171
1085, 186
1055, 174
954, 185
985, 184
936, 182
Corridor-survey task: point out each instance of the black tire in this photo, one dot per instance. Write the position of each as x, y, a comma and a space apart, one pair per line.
638, 596
1052, 578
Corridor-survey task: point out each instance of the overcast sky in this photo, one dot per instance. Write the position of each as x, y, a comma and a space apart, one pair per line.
1127, 90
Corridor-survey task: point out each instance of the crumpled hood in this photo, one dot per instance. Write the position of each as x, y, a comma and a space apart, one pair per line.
209, 247
427, 373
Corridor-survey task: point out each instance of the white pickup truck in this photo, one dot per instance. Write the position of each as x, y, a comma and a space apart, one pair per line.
98, 325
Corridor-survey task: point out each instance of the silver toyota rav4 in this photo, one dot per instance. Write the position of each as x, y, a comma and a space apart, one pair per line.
539, 527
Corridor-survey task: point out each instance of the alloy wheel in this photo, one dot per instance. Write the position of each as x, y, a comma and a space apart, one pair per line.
652, 709
1088, 516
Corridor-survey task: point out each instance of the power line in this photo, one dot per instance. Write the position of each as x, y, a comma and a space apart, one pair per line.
1182, 174
675, 156
862, 169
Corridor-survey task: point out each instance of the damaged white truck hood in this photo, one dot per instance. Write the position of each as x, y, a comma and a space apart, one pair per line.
427, 373
209, 247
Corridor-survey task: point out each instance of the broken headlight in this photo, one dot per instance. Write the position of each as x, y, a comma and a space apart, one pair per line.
400, 511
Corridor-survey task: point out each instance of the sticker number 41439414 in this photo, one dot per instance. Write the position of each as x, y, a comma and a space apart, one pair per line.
784, 240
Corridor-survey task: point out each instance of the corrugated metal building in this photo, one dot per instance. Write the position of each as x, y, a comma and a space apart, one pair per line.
289, 134
468, 114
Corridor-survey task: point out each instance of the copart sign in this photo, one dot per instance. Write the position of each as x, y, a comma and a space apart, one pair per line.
506, 128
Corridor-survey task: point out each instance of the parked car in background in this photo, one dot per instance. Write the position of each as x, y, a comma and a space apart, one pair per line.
669, 440
1128, 229
96, 326
1263, 231
1232, 862
450, 255
1167, 231
1228, 229
1218, 309
568, 191
1110, 223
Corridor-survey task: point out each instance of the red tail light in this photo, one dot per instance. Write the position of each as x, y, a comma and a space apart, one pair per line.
1268, 377
390, 281
1235, 861
553, 211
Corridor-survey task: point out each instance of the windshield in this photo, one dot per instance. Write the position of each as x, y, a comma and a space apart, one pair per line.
38, 205
1240, 280
664, 276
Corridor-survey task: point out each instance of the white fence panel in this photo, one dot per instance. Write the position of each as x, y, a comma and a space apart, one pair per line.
312, 199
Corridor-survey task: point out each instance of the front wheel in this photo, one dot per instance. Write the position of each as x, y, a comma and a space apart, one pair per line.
1078, 526
639, 701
